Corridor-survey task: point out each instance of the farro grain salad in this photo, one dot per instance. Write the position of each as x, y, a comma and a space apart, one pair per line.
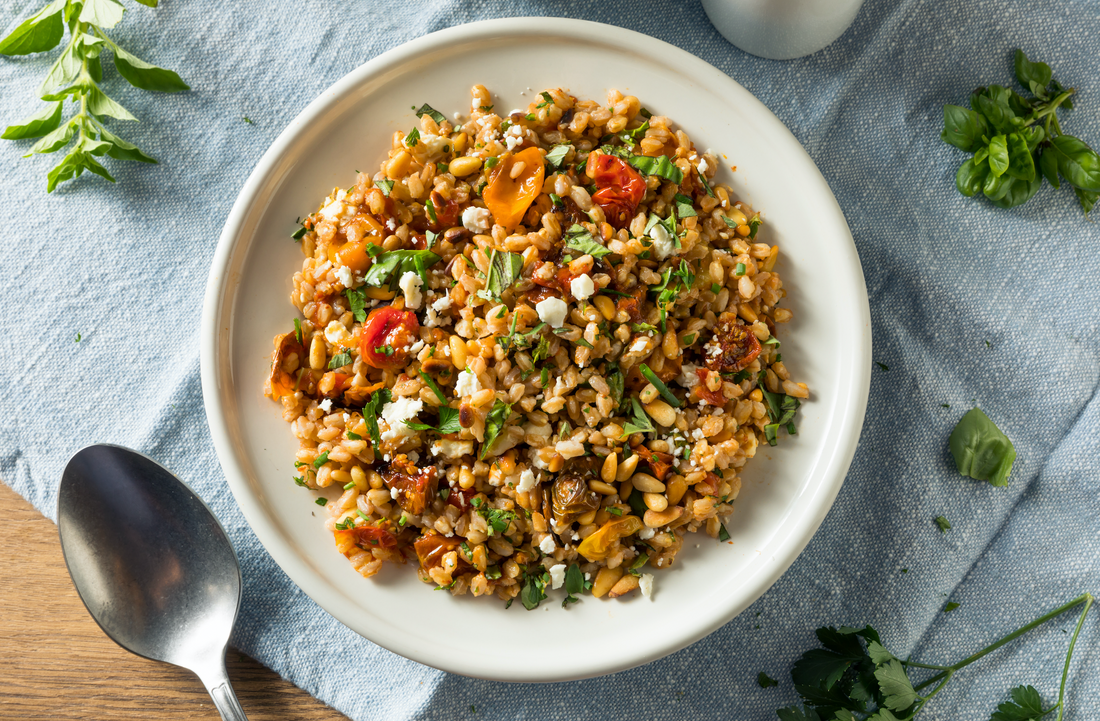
535, 351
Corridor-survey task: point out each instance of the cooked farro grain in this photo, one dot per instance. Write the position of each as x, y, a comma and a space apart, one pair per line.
535, 350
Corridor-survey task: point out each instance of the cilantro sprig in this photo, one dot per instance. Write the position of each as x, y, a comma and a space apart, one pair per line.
76, 74
848, 681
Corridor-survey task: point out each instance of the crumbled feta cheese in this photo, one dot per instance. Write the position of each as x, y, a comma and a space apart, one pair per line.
639, 345
335, 332
536, 459
467, 384
546, 545
713, 347
345, 276
688, 378
442, 304
433, 146
325, 405
416, 347
552, 311
410, 284
391, 224
703, 167
477, 220
333, 210
646, 533
582, 287
663, 246
646, 584
395, 414
557, 575
526, 481
393, 493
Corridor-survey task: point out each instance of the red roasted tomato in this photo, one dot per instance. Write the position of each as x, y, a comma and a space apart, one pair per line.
620, 187
368, 537
460, 498
431, 547
737, 346
414, 486
714, 398
385, 336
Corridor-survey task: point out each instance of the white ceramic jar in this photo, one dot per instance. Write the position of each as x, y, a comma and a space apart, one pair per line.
781, 29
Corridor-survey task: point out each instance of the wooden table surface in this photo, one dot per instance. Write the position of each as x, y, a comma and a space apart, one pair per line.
55, 662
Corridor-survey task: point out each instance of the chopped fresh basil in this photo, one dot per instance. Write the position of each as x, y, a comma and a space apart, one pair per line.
485, 108
723, 534
426, 109
612, 291
638, 563
631, 137
943, 523
615, 383
388, 267
494, 424
581, 240
546, 99
645, 113
429, 208
429, 239
754, 225
504, 268
372, 409
660, 386
614, 511
339, 361
493, 573
491, 162
637, 503
640, 422
297, 235
357, 301
556, 157
354, 436
584, 344
297, 331
660, 166
412, 138
688, 339
321, 500
299, 480
385, 186
684, 207
433, 385
706, 185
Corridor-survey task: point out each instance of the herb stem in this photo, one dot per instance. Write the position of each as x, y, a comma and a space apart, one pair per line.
925, 699
1069, 654
1085, 598
928, 665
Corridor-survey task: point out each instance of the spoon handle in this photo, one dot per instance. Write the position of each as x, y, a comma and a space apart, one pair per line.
221, 692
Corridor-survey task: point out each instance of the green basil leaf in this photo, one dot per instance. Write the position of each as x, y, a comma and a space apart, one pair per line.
71, 166
1028, 72
391, 265
385, 186
63, 78
993, 104
426, 109
660, 166
412, 138
1087, 199
122, 150
1033, 135
100, 104
1020, 163
339, 361
581, 240
616, 383
1077, 162
981, 450
556, 157
55, 140
970, 177
684, 207
998, 155
494, 424
146, 76
995, 186
357, 301
504, 268
962, 128
1018, 192
104, 13
1048, 163
574, 580
43, 122
38, 33
372, 410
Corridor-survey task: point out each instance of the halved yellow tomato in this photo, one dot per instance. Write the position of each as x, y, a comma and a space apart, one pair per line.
508, 198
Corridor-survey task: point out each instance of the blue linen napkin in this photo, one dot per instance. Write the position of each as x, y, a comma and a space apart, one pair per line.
971, 305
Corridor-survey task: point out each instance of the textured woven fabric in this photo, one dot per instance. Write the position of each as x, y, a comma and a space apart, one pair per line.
970, 305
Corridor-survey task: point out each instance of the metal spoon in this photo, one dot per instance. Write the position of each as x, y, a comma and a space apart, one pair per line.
151, 564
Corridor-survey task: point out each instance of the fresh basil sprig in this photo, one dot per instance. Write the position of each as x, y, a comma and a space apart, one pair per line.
76, 74
1018, 141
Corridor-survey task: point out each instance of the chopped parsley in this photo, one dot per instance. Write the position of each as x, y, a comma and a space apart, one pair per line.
320, 501
448, 422
389, 266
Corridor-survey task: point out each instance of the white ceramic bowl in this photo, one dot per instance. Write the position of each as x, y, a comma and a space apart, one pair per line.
786, 493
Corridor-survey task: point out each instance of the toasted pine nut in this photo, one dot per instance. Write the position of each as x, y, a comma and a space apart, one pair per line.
655, 501
317, 353
458, 352
656, 519
677, 487
606, 306
661, 412
398, 165
623, 586
359, 478
625, 489
605, 580
648, 394
626, 468
461, 167
517, 169
647, 483
604, 488
610, 466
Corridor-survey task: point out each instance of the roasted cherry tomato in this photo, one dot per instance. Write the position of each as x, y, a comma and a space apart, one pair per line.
714, 398
280, 383
431, 548
460, 498
414, 486
600, 544
737, 346
385, 336
446, 212
619, 187
354, 256
368, 537
508, 198
632, 304
659, 463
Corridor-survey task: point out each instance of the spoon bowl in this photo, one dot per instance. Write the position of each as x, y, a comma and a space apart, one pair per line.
151, 563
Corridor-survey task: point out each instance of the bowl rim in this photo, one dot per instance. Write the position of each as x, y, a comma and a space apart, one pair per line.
220, 297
